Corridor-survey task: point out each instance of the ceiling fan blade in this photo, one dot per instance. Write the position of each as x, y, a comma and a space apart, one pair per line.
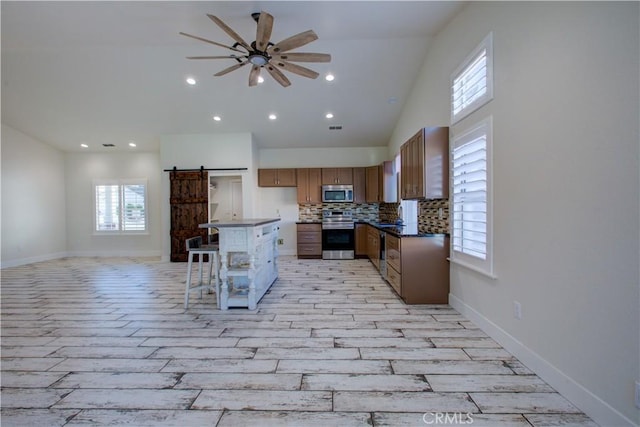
229, 31
294, 42
277, 75
209, 41
254, 74
297, 69
213, 57
303, 57
230, 69
263, 34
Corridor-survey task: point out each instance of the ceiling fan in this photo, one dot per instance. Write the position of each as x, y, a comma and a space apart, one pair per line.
262, 53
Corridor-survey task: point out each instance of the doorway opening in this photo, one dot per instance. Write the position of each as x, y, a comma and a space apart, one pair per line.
225, 197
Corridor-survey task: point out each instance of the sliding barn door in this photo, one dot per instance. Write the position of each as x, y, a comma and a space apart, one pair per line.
189, 201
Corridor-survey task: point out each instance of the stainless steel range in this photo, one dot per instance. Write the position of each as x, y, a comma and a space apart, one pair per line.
338, 235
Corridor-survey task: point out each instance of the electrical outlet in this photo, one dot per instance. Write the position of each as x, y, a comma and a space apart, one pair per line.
281, 241
517, 310
638, 394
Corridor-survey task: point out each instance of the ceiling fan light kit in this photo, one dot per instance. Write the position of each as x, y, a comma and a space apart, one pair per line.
262, 53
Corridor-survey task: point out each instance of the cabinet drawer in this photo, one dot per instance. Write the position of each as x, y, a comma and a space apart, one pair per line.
309, 249
395, 279
393, 251
309, 237
310, 227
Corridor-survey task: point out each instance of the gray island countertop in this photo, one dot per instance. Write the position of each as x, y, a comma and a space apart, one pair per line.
241, 222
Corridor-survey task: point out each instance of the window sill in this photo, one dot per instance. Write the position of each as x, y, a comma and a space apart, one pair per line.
473, 268
120, 233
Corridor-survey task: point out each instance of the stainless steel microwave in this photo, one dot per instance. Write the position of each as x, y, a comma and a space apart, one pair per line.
337, 193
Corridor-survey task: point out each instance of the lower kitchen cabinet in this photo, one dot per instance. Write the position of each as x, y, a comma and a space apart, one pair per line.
373, 245
309, 240
417, 268
361, 240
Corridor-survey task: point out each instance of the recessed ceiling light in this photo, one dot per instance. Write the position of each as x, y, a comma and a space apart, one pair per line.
329, 116
84, 146
260, 79
272, 117
329, 77
191, 81
217, 118
132, 144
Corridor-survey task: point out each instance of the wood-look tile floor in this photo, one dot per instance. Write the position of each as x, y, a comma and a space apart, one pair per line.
94, 341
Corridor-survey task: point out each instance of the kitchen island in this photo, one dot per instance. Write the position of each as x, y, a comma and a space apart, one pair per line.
248, 259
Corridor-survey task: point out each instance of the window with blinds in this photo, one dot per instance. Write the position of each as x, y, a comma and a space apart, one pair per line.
471, 201
472, 81
120, 207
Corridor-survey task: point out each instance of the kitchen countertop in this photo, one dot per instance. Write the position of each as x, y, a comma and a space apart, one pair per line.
241, 222
401, 230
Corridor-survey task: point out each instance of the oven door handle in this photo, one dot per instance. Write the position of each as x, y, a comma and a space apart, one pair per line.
338, 226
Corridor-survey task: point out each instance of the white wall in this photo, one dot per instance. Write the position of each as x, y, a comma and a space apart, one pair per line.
319, 157
81, 170
191, 151
33, 200
566, 144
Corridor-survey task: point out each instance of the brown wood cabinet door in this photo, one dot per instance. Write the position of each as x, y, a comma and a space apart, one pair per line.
436, 145
389, 182
359, 185
418, 166
345, 176
267, 177
315, 185
309, 185
188, 201
404, 171
286, 177
337, 176
302, 177
373, 186
329, 176
277, 177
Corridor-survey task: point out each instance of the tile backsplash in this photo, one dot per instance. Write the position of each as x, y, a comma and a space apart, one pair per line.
433, 215
388, 212
361, 211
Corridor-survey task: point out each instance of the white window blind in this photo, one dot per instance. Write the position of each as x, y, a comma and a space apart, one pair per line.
120, 207
471, 203
472, 82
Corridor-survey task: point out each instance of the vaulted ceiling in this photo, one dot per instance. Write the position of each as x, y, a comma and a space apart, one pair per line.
114, 72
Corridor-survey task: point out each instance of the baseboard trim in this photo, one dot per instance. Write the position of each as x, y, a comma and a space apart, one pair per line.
600, 411
31, 260
117, 253
78, 254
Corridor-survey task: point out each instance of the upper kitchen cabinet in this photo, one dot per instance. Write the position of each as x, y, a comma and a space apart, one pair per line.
309, 185
359, 185
424, 170
388, 182
382, 183
341, 176
373, 184
276, 177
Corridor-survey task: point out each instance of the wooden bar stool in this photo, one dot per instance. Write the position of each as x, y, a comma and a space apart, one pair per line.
196, 248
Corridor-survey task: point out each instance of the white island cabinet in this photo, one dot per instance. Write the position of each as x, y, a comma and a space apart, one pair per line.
248, 260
